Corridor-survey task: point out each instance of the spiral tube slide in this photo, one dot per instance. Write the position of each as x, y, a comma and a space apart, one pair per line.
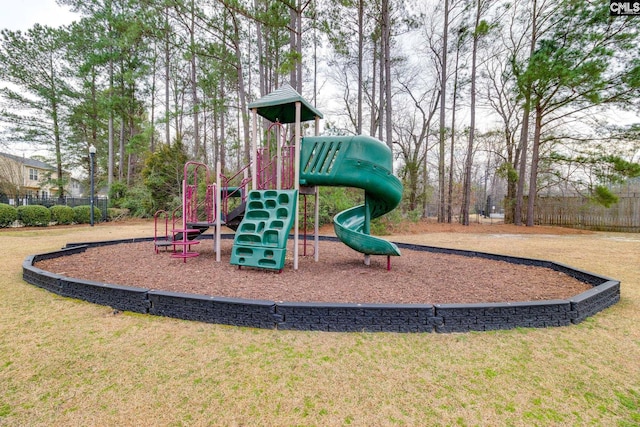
361, 162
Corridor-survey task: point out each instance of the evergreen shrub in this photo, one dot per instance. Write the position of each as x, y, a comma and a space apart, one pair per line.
34, 215
82, 214
61, 214
8, 215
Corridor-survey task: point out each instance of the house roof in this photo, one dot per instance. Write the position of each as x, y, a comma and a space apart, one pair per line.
28, 162
280, 105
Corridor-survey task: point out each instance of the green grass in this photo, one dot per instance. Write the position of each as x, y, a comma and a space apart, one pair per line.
68, 362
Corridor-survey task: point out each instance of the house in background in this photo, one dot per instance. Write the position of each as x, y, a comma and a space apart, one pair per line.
75, 188
21, 177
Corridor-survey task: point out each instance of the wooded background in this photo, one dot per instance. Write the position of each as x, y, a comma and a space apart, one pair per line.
475, 97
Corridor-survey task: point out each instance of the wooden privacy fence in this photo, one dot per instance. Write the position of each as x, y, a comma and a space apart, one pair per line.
580, 212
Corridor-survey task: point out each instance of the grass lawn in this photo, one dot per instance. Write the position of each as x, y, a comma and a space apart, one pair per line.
67, 362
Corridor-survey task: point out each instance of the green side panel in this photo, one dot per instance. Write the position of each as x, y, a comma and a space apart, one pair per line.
261, 238
361, 162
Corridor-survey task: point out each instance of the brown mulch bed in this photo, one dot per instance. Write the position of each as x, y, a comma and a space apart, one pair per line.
340, 276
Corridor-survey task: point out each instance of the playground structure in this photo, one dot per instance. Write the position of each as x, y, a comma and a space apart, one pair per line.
261, 201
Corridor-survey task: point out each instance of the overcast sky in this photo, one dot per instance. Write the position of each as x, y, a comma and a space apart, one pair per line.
23, 14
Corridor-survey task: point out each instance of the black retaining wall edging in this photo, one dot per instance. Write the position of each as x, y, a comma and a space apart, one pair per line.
338, 317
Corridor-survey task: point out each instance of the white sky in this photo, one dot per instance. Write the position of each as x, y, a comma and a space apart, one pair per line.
23, 14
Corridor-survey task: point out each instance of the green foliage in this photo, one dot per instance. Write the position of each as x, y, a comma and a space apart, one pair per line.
8, 215
34, 215
336, 199
82, 214
604, 169
508, 172
116, 214
162, 174
483, 28
387, 223
614, 169
603, 196
40, 88
289, 62
118, 194
33, 106
623, 168
139, 202
573, 62
61, 214
414, 216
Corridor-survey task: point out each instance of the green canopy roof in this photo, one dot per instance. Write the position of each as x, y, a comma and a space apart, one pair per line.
280, 105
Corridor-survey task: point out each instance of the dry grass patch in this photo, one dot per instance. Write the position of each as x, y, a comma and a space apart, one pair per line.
67, 362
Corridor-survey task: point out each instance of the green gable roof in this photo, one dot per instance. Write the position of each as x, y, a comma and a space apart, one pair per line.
280, 105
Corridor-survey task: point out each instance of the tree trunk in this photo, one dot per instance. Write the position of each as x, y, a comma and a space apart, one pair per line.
261, 54
57, 141
242, 93
387, 74
111, 149
425, 183
121, 160
293, 81
453, 140
152, 146
360, 61
443, 91
466, 190
167, 70
295, 44
298, 34
535, 159
194, 86
222, 142
205, 146
522, 169
413, 191
524, 134
382, 91
512, 158
374, 113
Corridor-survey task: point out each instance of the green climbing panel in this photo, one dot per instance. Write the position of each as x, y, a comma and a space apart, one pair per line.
261, 238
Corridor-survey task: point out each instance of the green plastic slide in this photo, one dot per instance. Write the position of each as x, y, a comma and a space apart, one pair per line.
361, 162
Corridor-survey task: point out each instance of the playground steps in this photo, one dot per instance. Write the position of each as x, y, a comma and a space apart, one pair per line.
194, 231
234, 218
261, 238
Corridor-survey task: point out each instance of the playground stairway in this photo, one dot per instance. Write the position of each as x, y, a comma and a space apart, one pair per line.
194, 231
261, 238
234, 218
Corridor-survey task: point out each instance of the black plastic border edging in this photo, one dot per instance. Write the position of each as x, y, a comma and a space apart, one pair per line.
336, 317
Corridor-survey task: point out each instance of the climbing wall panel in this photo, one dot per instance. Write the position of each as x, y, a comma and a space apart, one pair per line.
261, 238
